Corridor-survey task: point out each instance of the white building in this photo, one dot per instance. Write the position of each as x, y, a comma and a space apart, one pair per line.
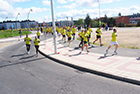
18, 25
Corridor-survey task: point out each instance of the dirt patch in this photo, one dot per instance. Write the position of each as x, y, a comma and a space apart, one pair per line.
127, 37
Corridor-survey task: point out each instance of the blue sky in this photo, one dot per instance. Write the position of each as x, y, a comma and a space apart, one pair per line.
65, 8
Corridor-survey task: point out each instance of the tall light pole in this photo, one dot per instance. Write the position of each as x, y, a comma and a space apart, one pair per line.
28, 18
67, 20
16, 19
99, 14
54, 29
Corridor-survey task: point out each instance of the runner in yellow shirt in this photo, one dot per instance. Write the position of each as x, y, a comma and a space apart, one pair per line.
89, 33
113, 41
64, 34
69, 33
74, 31
36, 42
28, 43
99, 32
51, 29
81, 34
38, 34
85, 41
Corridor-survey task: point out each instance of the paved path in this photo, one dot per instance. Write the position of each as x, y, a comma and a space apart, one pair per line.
119, 67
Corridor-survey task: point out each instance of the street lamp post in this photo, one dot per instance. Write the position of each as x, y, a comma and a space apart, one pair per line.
99, 14
28, 18
54, 29
16, 19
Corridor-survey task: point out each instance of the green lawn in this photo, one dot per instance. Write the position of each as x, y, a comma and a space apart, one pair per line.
8, 33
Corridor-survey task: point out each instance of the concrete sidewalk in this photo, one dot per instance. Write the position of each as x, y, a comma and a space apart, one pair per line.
113, 66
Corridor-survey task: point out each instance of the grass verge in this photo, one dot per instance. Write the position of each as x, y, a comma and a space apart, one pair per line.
8, 33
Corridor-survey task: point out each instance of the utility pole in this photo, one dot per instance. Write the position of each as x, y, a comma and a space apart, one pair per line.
54, 29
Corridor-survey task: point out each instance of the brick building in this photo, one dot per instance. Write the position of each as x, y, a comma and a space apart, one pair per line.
122, 19
118, 19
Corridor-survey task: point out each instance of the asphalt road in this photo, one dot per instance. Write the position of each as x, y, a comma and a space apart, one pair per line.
27, 74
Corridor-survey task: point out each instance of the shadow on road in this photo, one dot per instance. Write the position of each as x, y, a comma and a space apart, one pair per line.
105, 56
9, 64
75, 54
18, 55
27, 57
138, 58
93, 47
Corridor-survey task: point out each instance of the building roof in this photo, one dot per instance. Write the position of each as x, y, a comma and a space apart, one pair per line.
138, 18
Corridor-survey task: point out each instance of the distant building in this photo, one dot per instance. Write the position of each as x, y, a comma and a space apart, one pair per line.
134, 20
18, 24
118, 19
123, 19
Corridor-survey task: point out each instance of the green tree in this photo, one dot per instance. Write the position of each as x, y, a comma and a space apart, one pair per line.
119, 14
80, 22
111, 21
3, 28
95, 24
105, 20
121, 24
138, 24
88, 20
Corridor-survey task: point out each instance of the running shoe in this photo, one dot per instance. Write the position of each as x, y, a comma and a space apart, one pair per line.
115, 52
106, 51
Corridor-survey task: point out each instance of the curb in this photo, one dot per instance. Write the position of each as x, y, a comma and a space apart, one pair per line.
80, 68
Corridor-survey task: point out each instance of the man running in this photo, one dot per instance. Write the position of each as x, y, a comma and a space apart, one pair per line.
81, 34
38, 34
28, 43
99, 32
74, 31
69, 33
85, 41
113, 42
36, 42
64, 34
89, 33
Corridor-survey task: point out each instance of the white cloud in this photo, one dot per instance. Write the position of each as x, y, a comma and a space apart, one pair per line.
73, 5
46, 2
58, 6
62, 1
11, 1
76, 14
71, 0
11, 12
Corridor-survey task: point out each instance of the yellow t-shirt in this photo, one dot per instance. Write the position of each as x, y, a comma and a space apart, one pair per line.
90, 30
58, 30
98, 32
69, 33
74, 30
114, 38
82, 34
37, 41
63, 32
28, 40
68, 28
38, 33
86, 37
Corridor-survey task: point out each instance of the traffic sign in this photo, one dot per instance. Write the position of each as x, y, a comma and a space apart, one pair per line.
44, 24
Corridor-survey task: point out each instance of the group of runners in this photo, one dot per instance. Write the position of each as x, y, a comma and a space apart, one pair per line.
69, 32
28, 40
